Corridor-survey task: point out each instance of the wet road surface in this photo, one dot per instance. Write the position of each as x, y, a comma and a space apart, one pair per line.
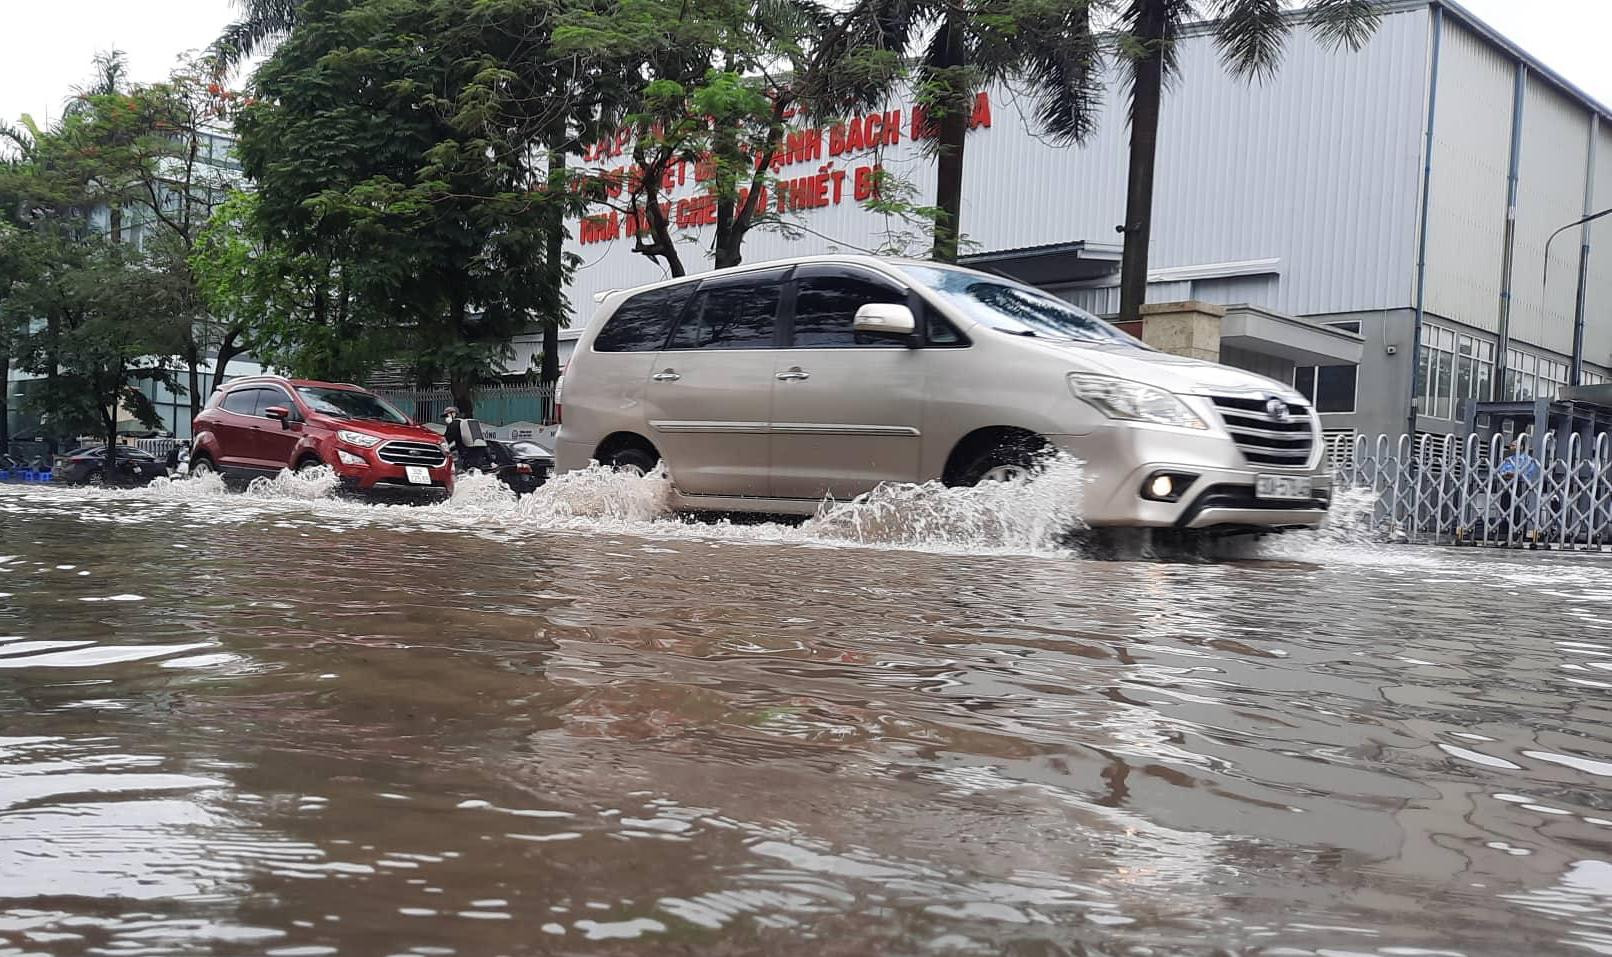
268, 725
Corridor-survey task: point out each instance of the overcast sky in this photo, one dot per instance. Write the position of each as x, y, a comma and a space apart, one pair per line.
46, 45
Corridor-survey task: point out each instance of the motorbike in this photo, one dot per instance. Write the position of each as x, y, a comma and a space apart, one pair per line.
521, 465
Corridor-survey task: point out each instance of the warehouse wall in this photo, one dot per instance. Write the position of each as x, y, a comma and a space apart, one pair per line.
1555, 148
1471, 157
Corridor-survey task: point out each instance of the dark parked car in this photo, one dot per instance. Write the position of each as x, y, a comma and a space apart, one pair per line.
86, 466
521, 465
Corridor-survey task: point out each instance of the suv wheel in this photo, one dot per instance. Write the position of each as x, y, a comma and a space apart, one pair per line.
308, 465
201, 465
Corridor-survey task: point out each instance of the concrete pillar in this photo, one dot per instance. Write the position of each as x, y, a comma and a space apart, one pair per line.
1190, 328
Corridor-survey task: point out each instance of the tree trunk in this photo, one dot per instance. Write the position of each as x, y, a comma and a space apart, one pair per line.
461, 381
5, 402
733, 221
109, 422
193, 382
228, 349
554, 273
1147, 91
953, 138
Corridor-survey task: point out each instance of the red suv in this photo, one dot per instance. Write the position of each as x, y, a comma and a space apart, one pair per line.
262, 424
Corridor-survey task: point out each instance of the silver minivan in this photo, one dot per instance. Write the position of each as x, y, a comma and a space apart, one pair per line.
772, 387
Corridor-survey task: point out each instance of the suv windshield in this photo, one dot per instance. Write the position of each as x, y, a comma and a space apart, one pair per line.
348, 404
1009, 307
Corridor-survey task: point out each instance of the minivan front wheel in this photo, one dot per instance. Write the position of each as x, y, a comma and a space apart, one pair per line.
1007, 461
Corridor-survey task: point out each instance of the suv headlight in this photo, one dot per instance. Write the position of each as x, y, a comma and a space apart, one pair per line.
359, 439
1136, 401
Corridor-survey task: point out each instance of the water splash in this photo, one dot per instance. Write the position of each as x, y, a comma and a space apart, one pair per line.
1031, 514
305, 485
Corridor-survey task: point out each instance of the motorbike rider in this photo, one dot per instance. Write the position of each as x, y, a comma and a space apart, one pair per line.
466, 439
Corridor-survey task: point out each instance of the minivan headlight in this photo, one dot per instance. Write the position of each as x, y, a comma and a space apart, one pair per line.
1136, 401
359, 439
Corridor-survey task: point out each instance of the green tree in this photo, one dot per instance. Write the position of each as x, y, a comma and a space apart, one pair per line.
94, 302
361, 161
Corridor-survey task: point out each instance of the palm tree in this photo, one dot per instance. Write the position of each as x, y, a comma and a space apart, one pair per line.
110, 76
1057, 51
262, 24
1251, 35
1045, 48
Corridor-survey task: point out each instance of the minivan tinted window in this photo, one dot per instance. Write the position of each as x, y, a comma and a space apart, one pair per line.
732, 315
826, 305
642, 322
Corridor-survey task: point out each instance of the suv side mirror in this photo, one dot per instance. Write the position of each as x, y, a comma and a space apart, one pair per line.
885, 319
279, 412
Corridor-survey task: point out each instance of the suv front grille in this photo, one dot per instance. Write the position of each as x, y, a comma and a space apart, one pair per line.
411, 453
1283, 441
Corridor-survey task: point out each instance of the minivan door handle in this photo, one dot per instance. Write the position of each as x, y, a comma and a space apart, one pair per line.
666, 376
795, 373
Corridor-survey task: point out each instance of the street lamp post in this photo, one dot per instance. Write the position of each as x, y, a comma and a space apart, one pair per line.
1576, 375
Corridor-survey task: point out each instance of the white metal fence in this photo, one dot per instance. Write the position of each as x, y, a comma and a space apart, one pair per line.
1507, 491
495, 404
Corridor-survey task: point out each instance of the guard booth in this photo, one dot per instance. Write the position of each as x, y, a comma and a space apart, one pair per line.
1585, 411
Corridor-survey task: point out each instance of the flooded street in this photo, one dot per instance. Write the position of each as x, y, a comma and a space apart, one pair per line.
284, 725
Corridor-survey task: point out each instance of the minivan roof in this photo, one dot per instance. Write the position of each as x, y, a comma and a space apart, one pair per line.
861, 259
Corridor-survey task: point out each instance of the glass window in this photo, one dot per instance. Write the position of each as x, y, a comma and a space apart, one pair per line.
731, 315
1304, 381
241, 401
1443, 383
1335, 389
1010, 307
349, 404
939, 332
825, 309
1353, 327
642, 323
270, 397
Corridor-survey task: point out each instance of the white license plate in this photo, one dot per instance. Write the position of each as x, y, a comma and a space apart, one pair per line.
418, 474
1285, 487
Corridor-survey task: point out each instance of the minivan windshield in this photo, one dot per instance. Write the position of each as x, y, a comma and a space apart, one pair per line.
348, 404
1010, 307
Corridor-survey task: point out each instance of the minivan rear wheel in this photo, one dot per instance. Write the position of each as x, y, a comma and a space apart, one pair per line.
634, 459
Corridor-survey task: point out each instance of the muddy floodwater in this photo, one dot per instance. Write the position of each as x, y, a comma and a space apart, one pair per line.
275, 723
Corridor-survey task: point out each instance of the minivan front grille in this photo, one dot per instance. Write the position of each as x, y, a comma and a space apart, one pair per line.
1267, 435
412, 453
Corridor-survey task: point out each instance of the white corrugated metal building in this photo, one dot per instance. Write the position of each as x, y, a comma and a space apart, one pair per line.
1306, 198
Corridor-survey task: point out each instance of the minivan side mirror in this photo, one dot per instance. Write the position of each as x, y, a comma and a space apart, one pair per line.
885, 319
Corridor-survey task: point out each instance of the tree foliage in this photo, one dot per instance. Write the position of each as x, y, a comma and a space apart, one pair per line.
717, 83
89, 311
418, 226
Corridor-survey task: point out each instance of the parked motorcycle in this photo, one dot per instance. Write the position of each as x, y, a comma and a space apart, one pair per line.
521, 465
